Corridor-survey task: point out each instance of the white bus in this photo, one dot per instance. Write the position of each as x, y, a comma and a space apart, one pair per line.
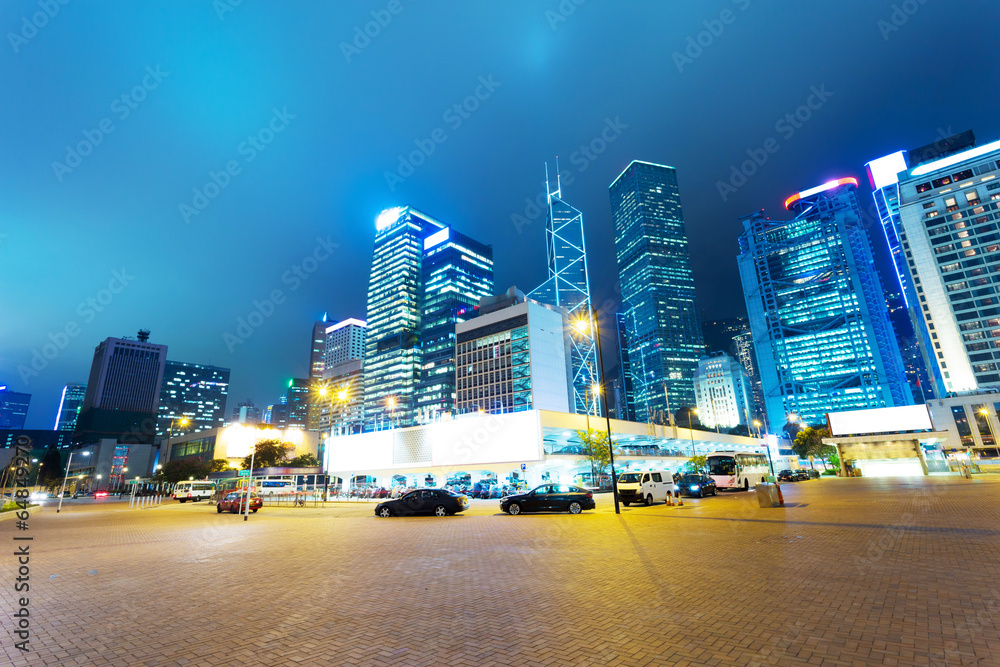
737, 470
193, 491
275, 485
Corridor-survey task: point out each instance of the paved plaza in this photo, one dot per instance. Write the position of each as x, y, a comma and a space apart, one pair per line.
850, 572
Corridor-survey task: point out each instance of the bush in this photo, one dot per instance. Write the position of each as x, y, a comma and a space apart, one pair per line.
829, 472
9, 506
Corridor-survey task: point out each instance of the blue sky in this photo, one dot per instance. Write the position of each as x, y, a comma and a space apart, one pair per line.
301, 120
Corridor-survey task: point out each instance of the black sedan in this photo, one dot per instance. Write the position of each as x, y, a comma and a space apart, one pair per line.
787, 476
801, 475
549, 498
696, 485
424, 501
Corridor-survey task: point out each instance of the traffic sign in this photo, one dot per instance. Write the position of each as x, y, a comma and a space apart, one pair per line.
524, 466
243, 473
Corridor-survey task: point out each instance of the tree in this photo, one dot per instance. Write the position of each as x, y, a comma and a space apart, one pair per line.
595, 448
696, 463
51, 471
809, 443
268, 454
179, 470
219, 465
304, 461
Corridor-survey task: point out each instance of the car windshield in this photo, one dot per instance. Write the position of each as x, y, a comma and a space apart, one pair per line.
629, 478
691, 478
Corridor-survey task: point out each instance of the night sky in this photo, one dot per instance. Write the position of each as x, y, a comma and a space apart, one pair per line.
175, 162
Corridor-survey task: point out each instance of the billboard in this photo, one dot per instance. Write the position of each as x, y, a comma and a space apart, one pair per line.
880, 420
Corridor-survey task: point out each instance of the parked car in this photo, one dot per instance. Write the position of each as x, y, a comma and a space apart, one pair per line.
813, 473
644, 486
438, 502
550, 498
801, 475
235, 502
101, 494
696, 484
787, 476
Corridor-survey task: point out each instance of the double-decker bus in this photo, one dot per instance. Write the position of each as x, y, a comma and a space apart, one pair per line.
737, 470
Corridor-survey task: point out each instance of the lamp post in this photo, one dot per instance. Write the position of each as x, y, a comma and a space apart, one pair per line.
246, 510
691, 411
62, 492
584, 325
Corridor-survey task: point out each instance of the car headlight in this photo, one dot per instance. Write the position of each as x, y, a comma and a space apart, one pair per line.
694, 487
676, 487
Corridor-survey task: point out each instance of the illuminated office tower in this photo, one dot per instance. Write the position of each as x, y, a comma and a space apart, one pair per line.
317, 349
568, 287
341, 404
950, 239
13, 408
665, 337
722, 391
424, 278
457, 272
69, 406
821, 334
625, 399
195, 393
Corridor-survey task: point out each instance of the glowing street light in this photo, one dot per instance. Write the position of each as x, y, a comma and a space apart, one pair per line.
62, 492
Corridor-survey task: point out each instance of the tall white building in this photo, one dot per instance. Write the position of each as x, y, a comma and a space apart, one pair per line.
950, 241
344, 341
722, 391
514, 356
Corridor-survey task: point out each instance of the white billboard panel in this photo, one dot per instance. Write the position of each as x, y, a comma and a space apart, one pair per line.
880, 420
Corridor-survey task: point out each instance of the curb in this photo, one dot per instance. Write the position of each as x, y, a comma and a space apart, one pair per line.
34, 509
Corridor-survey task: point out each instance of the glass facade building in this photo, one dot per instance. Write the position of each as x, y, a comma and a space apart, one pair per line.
194, 392
568, 287
69, 407
625, 400
13, 408
424, 278
657, 287
821, 334
950, 240
722, 390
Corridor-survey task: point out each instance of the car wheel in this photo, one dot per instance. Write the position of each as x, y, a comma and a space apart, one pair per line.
649, 500
385, 512
514, 509
701, 493
626, 503
233, 510
254, 511
182, 500
440, 510
715, 491
746, 485
575, 507
218, 509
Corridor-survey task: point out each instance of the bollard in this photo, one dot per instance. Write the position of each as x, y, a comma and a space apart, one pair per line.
781, 498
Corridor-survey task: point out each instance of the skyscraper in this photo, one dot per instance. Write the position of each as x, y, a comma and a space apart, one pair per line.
817, 312
13, 408
246, 412
341, 400
722, 390
317, 349
425, 277
744, 353
70, 405
950, 240
568, 286
344, 341
657, 287
123, 391
302, 404
625, 399
195, 392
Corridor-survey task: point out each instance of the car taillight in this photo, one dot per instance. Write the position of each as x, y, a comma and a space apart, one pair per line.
590, 494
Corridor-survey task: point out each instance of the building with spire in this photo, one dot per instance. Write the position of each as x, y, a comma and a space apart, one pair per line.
568, 287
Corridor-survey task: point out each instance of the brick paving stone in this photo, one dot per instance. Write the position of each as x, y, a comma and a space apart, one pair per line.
850, 572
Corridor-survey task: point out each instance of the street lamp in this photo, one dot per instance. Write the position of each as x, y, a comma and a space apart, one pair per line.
184, 422
691, 411
583, 325
391, 404
757, 423
62, 492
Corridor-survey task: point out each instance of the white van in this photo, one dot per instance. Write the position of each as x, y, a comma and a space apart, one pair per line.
193, 491
646, 486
